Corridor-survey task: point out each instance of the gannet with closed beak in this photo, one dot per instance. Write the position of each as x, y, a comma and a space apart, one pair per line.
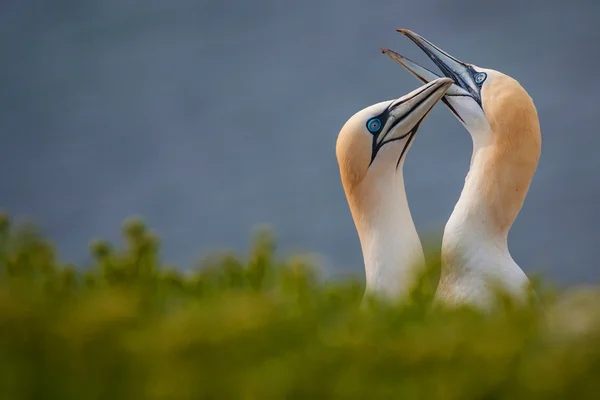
505, 129
371, 149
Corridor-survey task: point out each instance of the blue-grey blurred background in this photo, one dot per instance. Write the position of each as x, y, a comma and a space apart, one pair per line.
209, 117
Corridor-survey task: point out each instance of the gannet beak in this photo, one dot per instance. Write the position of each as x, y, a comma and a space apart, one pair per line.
406, 114
460, 72
417, 104
421, 73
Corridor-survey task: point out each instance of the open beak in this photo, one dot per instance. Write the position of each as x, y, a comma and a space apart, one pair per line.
460, 72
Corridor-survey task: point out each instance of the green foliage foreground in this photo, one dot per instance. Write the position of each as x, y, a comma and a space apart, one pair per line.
259, 328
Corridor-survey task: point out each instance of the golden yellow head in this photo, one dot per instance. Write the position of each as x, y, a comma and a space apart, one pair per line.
501, 118
377, 138
371, 149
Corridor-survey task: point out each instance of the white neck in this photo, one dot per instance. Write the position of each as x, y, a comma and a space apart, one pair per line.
390, 244
474, 250
470, 224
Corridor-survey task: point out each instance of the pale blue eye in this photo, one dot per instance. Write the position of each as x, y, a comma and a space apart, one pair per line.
480, 77
373, 125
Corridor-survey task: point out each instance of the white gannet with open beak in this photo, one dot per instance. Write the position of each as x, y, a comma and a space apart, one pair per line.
505, 129
371, 149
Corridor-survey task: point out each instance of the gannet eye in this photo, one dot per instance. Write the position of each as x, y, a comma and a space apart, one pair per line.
480, 77
374, 125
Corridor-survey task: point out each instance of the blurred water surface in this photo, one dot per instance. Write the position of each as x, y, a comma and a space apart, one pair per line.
209, 117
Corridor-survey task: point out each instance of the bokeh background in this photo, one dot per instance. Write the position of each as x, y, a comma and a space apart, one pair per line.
207, 118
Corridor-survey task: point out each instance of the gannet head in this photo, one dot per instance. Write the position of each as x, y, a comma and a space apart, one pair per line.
501, 118
480, 98
371, 149
377, 138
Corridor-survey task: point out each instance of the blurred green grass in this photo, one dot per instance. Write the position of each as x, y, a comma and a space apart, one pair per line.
261, 327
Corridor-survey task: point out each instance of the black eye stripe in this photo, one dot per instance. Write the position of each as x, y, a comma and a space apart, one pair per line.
386, 113
475, 74
374, 125
478, 77
383, 118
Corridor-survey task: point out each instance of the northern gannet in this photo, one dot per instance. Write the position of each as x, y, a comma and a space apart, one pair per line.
370, 149
504, 126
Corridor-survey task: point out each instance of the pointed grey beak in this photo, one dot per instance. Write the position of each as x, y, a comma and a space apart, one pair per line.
403, 116
460, 72
421, 73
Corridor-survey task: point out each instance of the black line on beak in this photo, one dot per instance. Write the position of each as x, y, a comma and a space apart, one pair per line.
446, 70
447, 104
412, 132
